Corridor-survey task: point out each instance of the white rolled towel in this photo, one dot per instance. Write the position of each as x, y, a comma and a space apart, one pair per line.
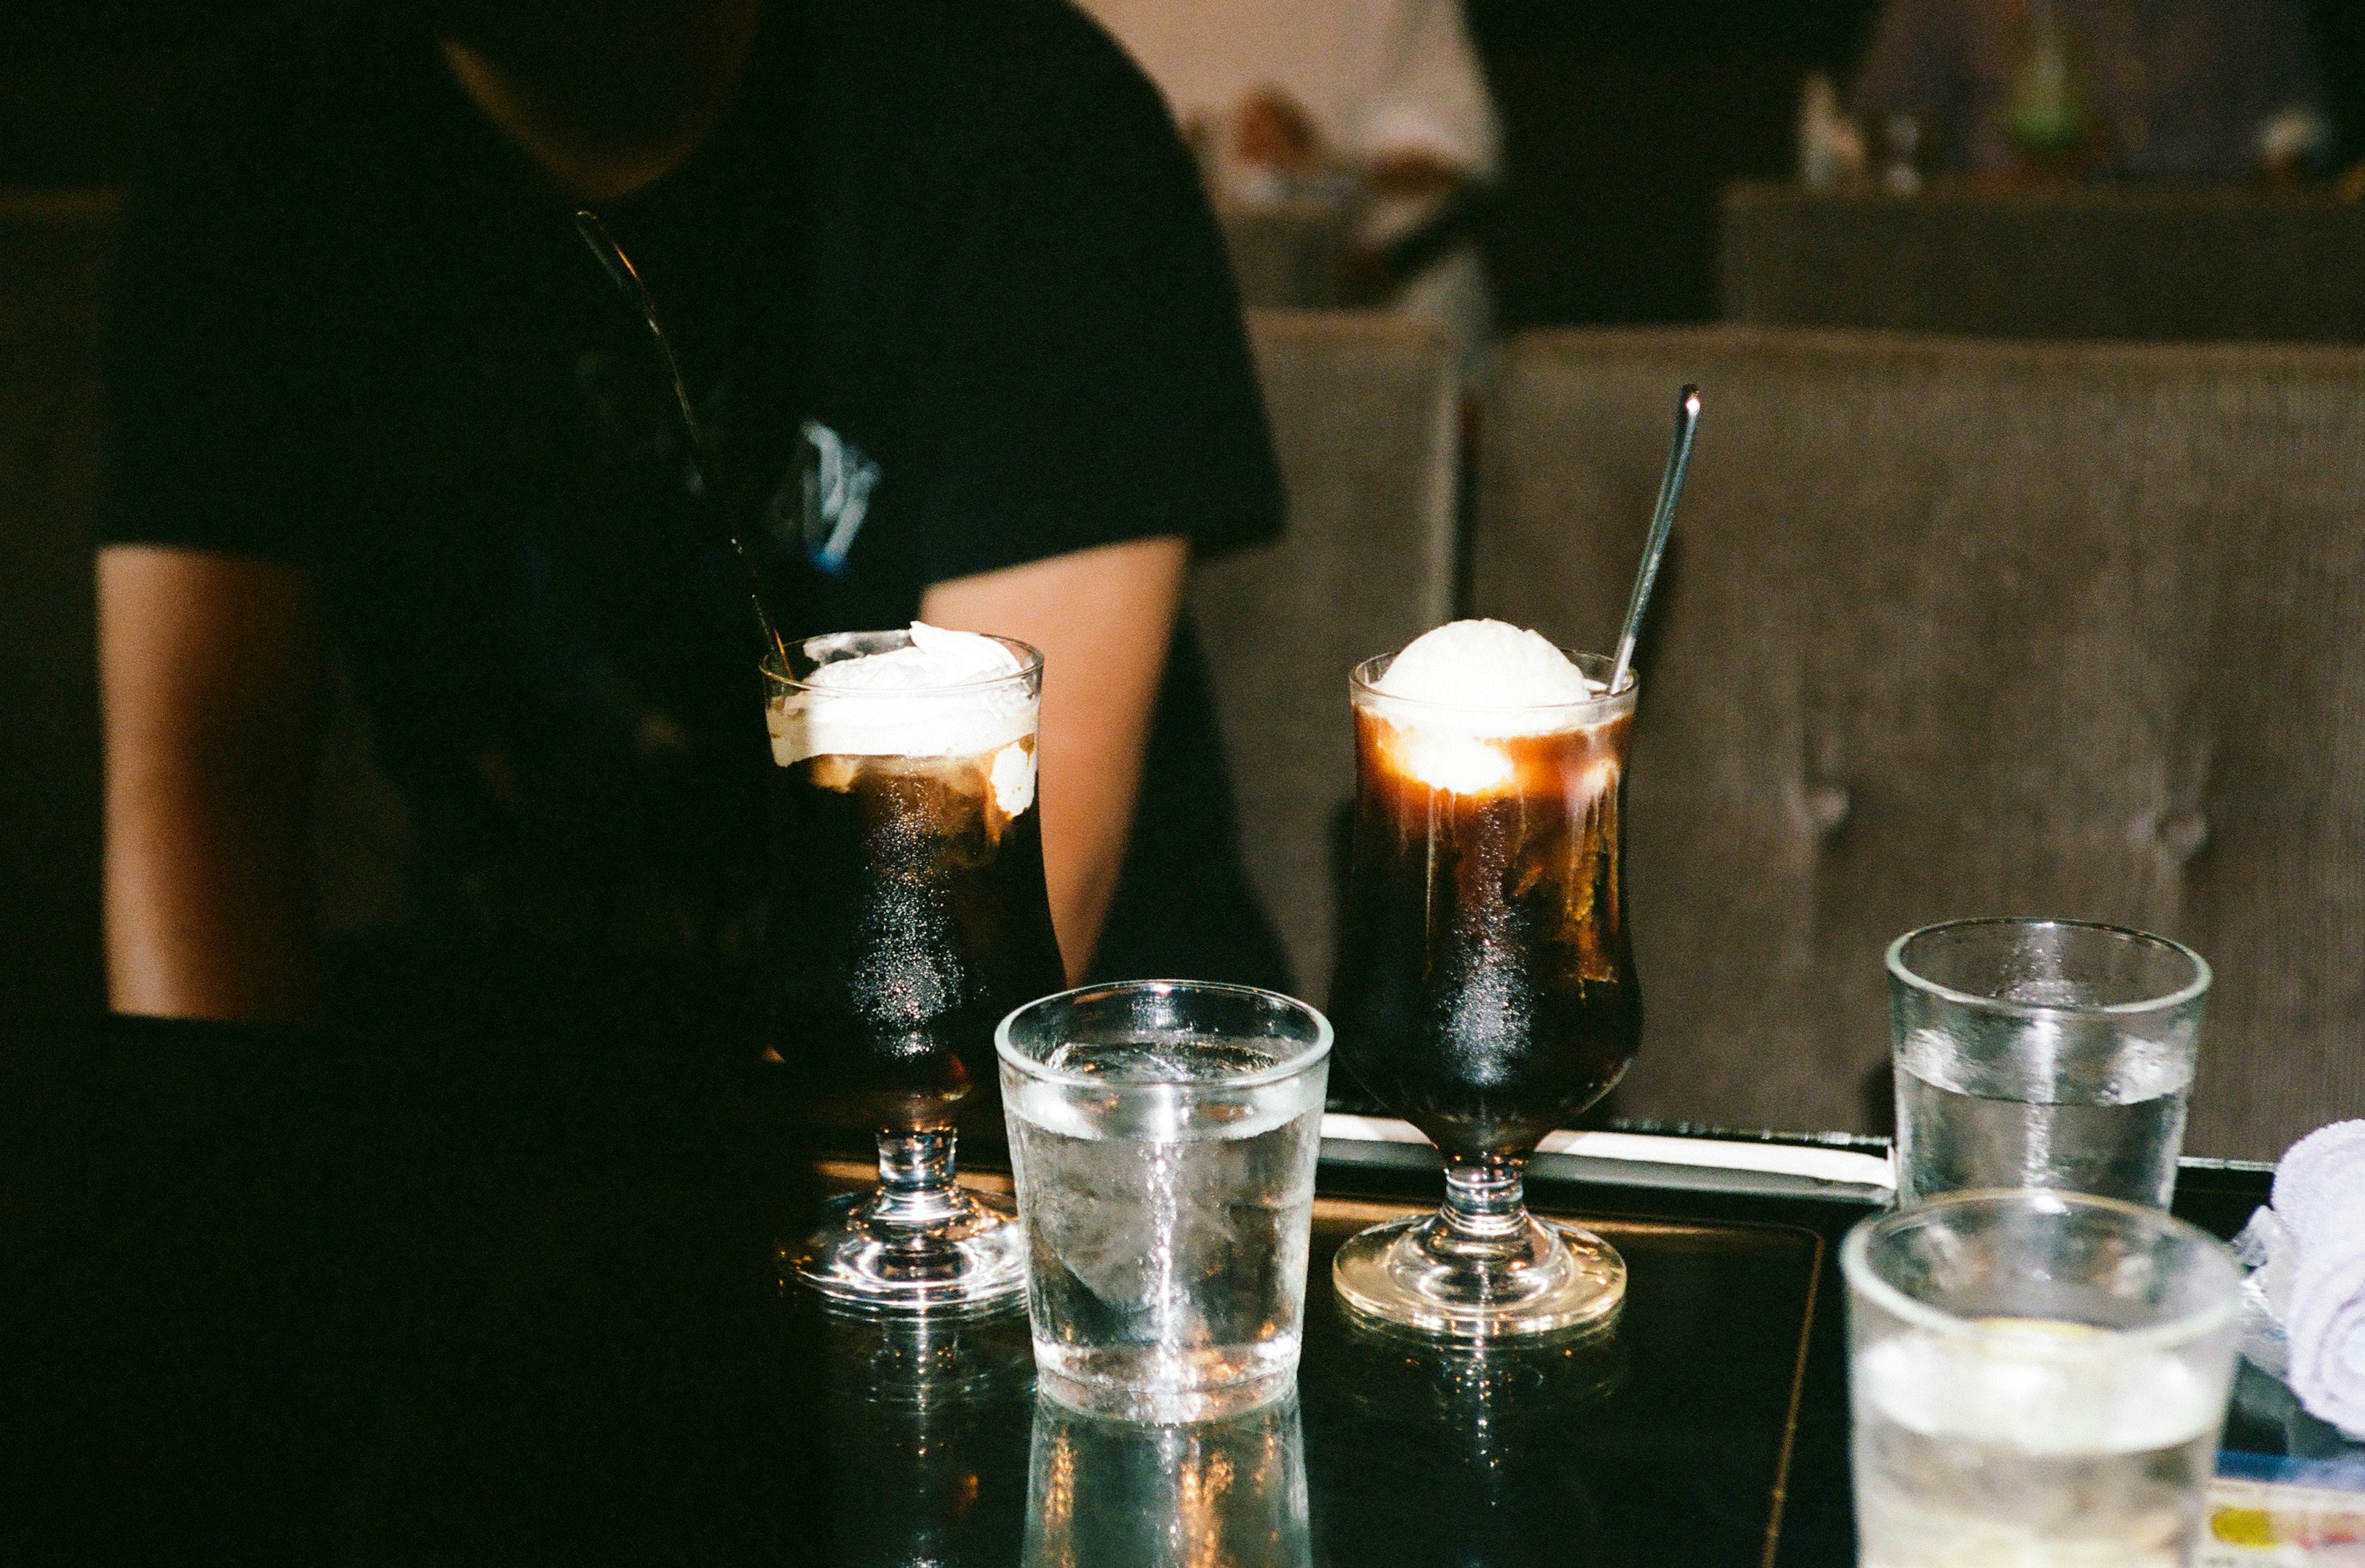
2320, 1195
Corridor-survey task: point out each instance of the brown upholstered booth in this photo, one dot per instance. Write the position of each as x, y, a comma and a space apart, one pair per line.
1955, 628
2081, 262
1363, 409
52, 256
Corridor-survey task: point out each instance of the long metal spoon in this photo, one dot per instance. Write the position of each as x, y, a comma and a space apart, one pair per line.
1662, 522
627, 279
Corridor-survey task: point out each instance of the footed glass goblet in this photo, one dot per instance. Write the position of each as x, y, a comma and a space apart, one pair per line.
909, 914
1486, 990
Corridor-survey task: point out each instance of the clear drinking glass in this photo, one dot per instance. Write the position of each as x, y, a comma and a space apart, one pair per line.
1486, 991
2042, 1053
909, 913
2037, 1378
1106, 1494
1163, 1136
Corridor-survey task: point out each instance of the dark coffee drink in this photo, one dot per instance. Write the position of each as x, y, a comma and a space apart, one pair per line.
909, 909
1487, 989
910, 914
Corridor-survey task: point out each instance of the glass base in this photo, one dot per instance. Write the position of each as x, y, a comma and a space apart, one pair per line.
972, 1253
1409, 1273
1163, 1406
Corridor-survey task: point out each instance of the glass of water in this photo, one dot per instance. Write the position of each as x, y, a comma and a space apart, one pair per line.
2037, 1378
1163, 1136
2042, 1053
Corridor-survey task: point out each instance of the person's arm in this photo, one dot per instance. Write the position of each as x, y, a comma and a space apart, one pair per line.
1272, 131
1087, 403
209, 671
1102, 619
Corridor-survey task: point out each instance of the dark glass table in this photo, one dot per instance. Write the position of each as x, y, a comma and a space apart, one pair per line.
274, 1296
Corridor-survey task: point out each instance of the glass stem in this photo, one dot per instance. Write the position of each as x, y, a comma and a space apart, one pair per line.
916, 1192
1486, 1213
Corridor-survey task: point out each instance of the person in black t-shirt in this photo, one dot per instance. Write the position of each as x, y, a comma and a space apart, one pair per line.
369, 393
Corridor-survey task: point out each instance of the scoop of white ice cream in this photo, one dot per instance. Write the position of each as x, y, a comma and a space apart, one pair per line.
935, 658
1486, 664
1467, 684
943, 695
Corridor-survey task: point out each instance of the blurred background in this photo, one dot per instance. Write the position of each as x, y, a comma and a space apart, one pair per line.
2036, 585
1622, 121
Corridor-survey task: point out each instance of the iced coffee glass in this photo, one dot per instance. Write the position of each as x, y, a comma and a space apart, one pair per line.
909, 914
1486, 990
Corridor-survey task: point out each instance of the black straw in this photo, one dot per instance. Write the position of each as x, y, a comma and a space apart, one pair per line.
1662, 522
627, 279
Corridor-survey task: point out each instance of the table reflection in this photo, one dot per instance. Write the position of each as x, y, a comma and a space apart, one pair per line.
1458, 1452
1117, 1495
923, 1419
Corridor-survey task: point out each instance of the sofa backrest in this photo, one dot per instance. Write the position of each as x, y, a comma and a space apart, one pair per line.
2203, 263
1955, 628
1365, 415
